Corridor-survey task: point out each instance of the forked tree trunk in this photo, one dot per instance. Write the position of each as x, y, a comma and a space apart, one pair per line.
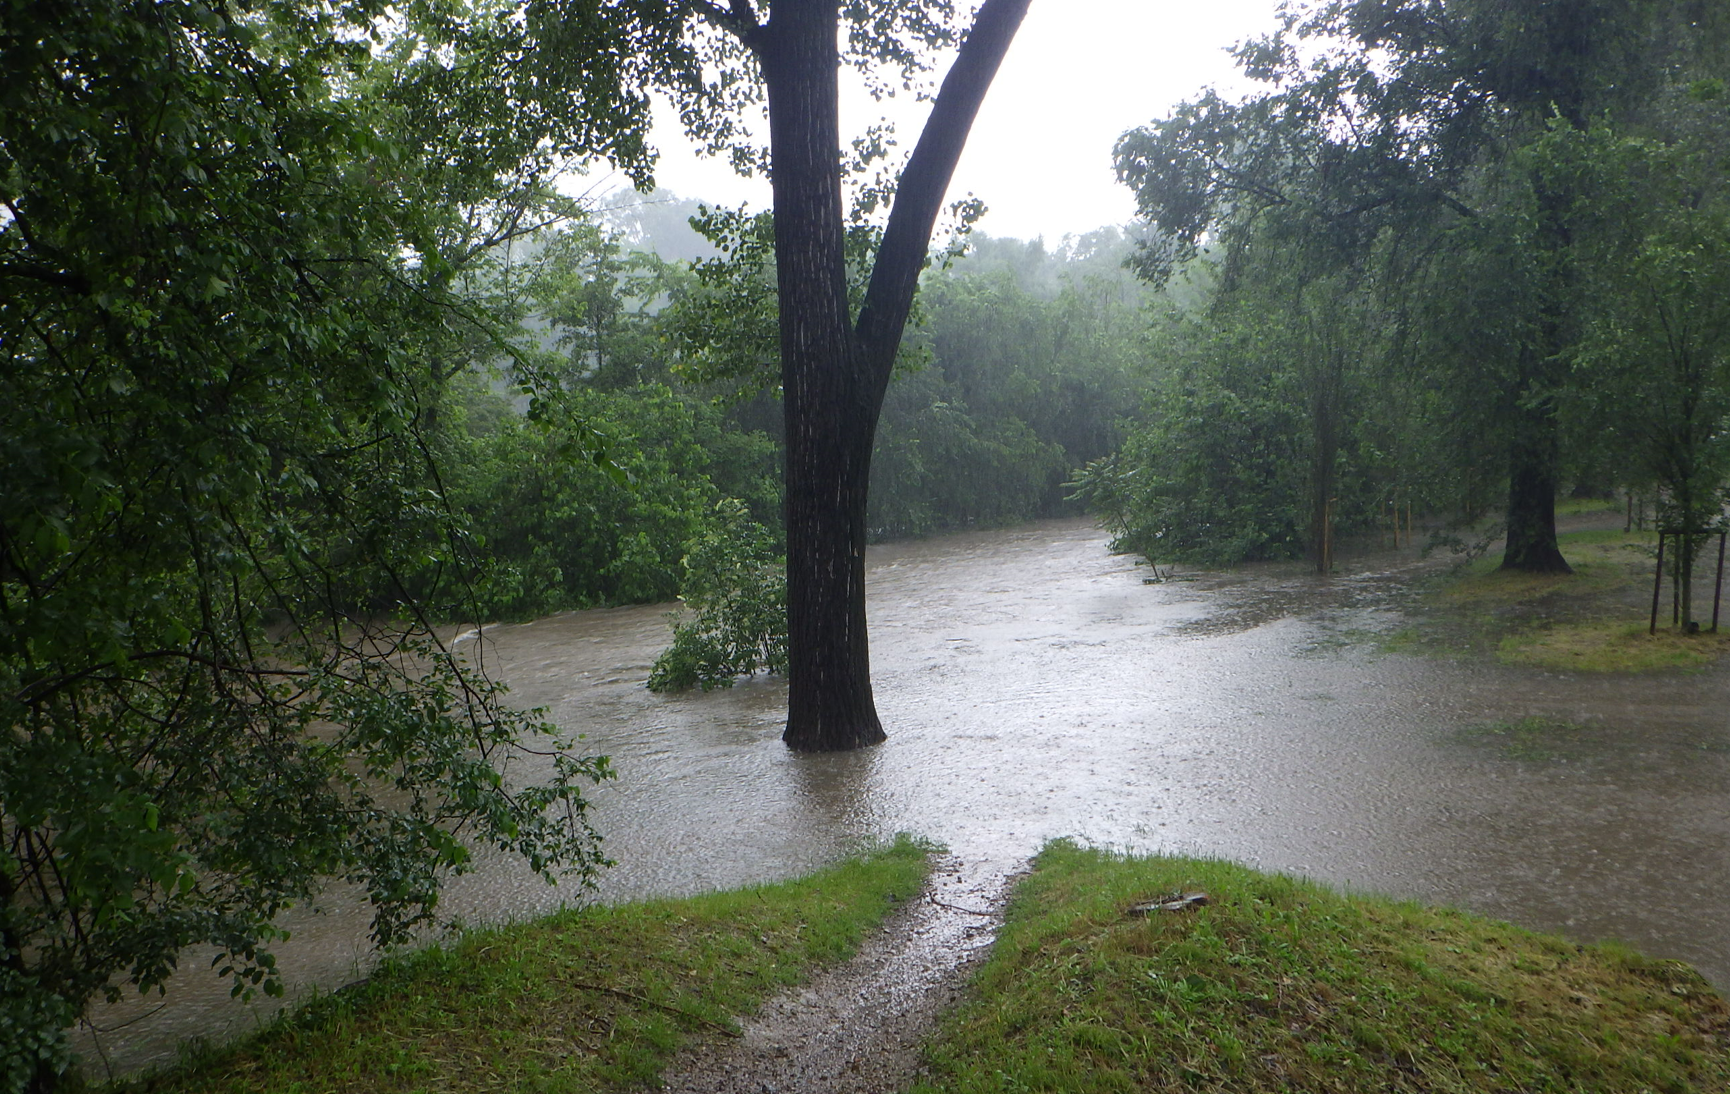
834, 372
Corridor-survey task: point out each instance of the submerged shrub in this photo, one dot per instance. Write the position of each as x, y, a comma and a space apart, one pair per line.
735, 585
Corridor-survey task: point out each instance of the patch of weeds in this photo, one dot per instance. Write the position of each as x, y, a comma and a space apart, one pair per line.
1447, 633
592, 1000
1529, 738
1332, 641
1484, 584
1573, 507
1611, 647
1404, 640
1282, 985
1536, 739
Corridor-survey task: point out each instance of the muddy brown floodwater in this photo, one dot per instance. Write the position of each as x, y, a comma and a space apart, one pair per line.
1034, 686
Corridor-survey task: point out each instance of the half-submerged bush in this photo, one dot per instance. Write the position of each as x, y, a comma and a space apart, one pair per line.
735, 586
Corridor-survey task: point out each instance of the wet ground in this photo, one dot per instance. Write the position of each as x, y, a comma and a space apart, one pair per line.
1035, 686
857, 1028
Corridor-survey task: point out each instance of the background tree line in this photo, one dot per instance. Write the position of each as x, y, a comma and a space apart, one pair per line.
1022, 367
1460, 255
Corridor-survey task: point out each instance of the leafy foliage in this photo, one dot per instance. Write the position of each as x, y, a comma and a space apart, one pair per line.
1415, 218
563, 531
228, 249
736, 588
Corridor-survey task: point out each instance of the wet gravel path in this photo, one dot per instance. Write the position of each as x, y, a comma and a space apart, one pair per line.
857, 1027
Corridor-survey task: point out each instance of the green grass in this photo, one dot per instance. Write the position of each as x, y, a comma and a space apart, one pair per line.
1604, 559
1484, 585
1569, 507
1529, 738
1572, 542
1281, 985
590, 1000
1611, 647
1593, 620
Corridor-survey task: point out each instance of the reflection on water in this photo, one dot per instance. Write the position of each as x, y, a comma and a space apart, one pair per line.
1033, 686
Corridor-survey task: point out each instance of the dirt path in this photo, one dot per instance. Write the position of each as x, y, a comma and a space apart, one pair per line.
857, 1028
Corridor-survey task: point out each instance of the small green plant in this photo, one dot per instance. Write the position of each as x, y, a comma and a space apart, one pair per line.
735, 586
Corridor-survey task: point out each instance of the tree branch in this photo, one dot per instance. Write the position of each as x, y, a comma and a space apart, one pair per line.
737, 19
919, 198
40, 690
36, 272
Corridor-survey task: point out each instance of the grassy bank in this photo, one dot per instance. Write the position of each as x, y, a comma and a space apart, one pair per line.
590, 1000
1594, 620
1278, 985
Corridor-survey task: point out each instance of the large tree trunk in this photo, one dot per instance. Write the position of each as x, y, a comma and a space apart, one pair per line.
834, 374
1533, 453
1326, 382
830, 418
1534, 446
829, 435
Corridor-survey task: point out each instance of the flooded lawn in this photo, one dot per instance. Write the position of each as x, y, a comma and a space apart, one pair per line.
1034, 686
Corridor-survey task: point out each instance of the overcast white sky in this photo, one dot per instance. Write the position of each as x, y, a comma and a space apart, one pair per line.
1079, 74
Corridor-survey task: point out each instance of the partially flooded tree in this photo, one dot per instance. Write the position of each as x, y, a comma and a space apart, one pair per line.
835, 360
835, 365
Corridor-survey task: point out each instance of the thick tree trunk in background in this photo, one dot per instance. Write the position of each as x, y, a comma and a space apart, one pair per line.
1534, 442
1533, 455
834, 374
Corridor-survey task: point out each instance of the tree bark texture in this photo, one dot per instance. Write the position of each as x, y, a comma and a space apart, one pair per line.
1533, 455
834, 373
1534, 448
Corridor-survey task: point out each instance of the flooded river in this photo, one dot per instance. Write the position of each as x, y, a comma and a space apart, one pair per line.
1035, 686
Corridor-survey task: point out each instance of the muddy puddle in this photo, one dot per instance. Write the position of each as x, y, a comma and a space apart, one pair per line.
1035, 686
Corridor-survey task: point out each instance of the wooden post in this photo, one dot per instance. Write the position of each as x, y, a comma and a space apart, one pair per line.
1718, 584
1327, 565
1676, 581
1657, 584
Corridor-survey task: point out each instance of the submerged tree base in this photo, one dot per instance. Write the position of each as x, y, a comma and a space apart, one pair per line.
811, 736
